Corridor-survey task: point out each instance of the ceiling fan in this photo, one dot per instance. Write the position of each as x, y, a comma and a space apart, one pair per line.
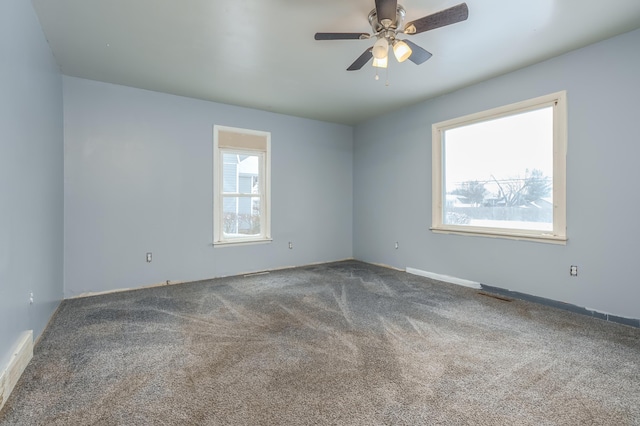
386, 22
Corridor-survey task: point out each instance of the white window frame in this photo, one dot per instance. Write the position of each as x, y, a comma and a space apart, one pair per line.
264, 183
556, 100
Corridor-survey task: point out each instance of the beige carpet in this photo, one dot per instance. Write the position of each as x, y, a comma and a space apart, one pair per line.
338, 344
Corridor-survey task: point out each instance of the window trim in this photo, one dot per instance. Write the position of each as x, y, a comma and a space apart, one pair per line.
265, 185
559, 234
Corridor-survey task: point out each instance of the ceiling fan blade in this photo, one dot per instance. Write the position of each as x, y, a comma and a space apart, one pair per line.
439, 19
418, 54
342, 36
362, 60
386, 9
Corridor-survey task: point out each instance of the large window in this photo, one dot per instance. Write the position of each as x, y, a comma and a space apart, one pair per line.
502, 172
241, 185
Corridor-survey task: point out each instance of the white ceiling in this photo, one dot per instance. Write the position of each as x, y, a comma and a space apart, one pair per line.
261, 53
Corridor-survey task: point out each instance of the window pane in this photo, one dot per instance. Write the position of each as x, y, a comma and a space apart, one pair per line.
240, 173
499, 173
241, 217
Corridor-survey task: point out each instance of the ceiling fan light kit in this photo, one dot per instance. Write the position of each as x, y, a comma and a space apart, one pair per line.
386, 22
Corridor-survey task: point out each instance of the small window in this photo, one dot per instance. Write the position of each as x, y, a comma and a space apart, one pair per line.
502, 172
241, 186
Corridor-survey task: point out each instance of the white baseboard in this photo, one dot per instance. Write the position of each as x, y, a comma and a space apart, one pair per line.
173, 282
22, 354
384, 265
445, 278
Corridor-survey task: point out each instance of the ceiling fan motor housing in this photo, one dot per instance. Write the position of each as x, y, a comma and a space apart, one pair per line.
386, 28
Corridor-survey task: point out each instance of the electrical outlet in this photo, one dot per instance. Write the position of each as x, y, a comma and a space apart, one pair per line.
573, 270
148, 257
31, 298
290, 245
397, 245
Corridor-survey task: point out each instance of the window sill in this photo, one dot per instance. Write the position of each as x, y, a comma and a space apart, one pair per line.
495, 233
219, 244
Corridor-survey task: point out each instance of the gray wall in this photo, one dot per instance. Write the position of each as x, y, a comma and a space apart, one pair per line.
392, 185
138, 178
31, 186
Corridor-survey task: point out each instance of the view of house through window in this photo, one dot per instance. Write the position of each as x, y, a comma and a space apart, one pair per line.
241, 194
497, 172
241, 179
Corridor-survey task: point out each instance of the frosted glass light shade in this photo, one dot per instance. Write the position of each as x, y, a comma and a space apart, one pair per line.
381, 63
380, 48
401, 50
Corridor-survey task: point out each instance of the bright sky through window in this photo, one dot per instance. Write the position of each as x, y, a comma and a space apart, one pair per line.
504, 147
